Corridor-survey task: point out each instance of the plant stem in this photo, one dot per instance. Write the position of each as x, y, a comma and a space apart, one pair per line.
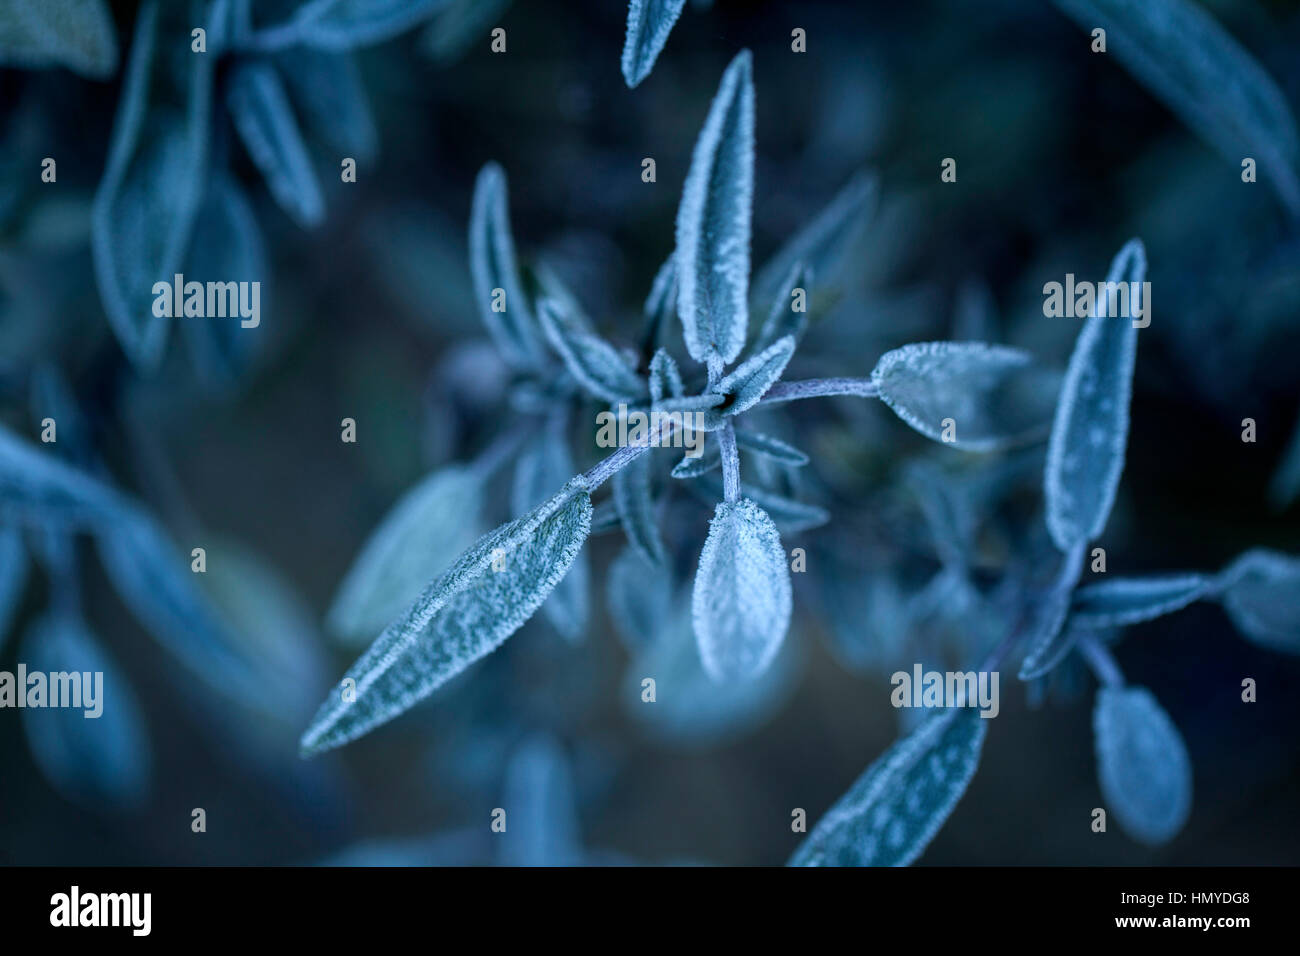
730, 462
1101, 661
817, 387
604, 470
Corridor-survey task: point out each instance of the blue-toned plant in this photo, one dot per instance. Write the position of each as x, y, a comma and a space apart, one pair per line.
975, 396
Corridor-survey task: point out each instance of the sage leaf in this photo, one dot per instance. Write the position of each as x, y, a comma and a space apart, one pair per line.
1142, 764
690, 467
639, 596
636, 509
226, 246
100, 760
1085, 454
713, 222
344, 24
1048, 639
418, 538
266, 124
594, 363
1261, 593
742, 598
783, 319
747, 383
1179, 52
892, 812
154, 181
822, 245
968, 394
769, 447
493, 266
545, 465
463, 615
328, 94
691, 711
660, 304
1124, 601
78, 34
648, 24
665, 378
41, 492
153, 579
543, 828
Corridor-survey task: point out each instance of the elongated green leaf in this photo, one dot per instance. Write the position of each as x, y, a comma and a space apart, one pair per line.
1047, 638
690, 467
747, 382
95, 760
226, 246
784, 318
266, 124
343, 24
648, 24
78, 34
639, 596
597, 365
153, 578
665, 379
713, 222
742, 598
1124, 601
636, 509
545, 465
895, 808
492, 263
425, 530
1142, 764
971, 395
154, 182
327, 91
1085, 454
1261, 593
821, 246
770, 447
39, 491
1182, 55
465, 614
660, 304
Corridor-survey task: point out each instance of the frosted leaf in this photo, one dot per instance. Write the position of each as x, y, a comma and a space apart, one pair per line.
465, 614
639, 597
492, 265
93, 760
994, 395
821, 246
1183, 56
418, 538
1085, 454
1123, 601
154, 181
78, 34
768, 447
741, 602
747, 383
266, 124
596, 365
1142, 764
895, 808
713, 222
636, 509
648, 24
1261, 593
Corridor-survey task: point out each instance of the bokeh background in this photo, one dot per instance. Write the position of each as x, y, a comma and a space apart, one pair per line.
1062, 156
